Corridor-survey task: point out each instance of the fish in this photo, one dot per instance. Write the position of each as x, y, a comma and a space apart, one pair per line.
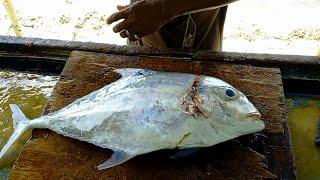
146, 111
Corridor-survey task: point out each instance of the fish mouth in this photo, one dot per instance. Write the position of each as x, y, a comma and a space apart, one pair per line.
254, 116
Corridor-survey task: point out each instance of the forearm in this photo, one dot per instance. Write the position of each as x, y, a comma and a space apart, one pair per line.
180, 7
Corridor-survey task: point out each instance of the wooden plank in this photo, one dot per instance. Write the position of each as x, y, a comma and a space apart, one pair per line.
51, 156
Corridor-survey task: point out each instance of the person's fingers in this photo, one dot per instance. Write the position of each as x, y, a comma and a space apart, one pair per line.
131, 38
122, 7
121, 26
117, 16
126, 34
123, 34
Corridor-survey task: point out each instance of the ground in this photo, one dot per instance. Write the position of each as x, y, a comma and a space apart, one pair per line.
277, 27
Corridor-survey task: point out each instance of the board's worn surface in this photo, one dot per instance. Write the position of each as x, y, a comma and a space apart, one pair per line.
51, 156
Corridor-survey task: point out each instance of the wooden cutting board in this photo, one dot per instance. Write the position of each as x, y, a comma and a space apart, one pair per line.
51, 156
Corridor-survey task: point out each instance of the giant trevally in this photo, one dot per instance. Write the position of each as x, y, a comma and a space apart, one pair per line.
146, 111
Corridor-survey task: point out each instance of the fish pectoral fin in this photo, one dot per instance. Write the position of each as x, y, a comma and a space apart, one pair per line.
118, 157
185, 153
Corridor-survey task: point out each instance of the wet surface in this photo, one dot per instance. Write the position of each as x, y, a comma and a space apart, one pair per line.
304, 116
29, 91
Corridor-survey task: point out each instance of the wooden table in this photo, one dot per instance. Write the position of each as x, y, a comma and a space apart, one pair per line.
51, 156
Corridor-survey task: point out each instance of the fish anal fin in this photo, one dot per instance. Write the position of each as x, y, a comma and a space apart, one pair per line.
118, 157
184, 153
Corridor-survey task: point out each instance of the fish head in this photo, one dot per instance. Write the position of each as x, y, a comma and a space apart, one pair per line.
235, 114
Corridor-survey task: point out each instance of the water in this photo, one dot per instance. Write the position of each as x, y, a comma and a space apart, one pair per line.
304, 116
30, 92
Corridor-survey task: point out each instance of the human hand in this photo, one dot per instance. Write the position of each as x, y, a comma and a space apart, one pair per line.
140, 18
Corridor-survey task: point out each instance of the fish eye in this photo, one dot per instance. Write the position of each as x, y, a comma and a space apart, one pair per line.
230, 93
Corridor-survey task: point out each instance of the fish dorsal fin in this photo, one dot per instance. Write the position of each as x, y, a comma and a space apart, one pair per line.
127, 72
118, 157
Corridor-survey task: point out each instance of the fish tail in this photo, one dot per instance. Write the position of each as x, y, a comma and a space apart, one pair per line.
20, 123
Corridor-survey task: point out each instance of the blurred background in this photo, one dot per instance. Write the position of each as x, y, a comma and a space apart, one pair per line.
278, 27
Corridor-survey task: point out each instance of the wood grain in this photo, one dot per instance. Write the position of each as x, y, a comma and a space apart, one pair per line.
51, 156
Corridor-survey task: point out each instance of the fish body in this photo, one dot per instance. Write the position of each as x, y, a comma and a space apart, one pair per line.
146, 111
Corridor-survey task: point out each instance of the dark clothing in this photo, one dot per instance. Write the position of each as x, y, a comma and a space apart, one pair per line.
208, 33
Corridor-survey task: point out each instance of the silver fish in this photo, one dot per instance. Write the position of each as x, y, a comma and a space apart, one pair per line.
146, 111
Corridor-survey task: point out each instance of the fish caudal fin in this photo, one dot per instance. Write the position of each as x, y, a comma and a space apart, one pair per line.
20, 124
118, 157
18, 116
